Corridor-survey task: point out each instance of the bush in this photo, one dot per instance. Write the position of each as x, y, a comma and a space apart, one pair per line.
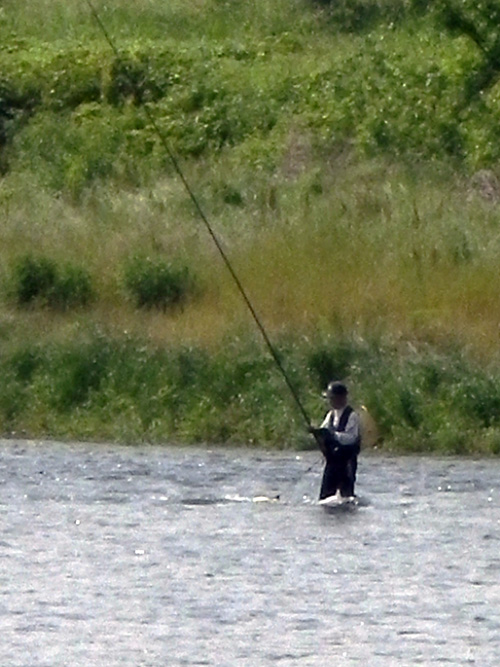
39, 280
155, 283
34, 278
78, 372
134, 79
72, 288
334, 363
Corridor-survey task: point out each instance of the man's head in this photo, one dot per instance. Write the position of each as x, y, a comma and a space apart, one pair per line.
336, 393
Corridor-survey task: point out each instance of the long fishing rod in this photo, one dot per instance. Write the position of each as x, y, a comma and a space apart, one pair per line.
201, 213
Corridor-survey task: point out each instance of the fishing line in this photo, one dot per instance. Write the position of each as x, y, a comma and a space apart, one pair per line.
201, 213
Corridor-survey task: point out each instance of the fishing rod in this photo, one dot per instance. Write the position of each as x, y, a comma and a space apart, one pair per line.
177, 168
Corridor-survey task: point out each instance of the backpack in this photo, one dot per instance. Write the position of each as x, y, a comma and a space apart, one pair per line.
369, 432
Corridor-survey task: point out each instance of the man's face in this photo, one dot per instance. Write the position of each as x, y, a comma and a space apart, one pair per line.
338, 401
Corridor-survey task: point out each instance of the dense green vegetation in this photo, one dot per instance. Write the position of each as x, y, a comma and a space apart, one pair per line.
345, 154
95, 386
71, 107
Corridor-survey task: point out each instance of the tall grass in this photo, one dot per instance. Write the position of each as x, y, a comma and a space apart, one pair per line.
51, 20
400, 250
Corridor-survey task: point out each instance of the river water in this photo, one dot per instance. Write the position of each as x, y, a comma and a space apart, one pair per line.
158, 556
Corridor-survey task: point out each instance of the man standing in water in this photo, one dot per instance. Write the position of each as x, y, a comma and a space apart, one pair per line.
339, 438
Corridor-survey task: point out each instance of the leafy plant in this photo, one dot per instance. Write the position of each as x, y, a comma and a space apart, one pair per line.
33, 278
155, 283
72, 288
478, 23
39, 280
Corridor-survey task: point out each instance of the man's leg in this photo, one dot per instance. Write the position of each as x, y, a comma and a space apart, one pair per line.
330, 481
348, 476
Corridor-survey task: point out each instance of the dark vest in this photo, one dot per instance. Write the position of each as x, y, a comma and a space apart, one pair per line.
344, 418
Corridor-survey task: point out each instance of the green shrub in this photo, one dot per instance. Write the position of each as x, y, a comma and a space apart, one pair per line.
135, 80
231, 195
72, 288
33, 279
24, 363
38, 280
79, 371
330, 364
155, 283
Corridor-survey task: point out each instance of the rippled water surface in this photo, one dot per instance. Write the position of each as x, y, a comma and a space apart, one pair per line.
158, 556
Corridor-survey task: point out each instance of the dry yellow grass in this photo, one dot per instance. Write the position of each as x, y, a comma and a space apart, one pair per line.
377, 251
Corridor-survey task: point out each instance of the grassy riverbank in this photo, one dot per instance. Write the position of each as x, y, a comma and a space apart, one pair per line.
98, 387
326, 147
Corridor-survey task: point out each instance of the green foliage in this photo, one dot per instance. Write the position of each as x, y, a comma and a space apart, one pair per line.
332, 363
441, 404
124, 389
34, 278
231, 195
72, 288
68, 153
137, 80
363, 15
78, 372
71, 115
24, 362
12, 107
478, 23
155, 283
39, 280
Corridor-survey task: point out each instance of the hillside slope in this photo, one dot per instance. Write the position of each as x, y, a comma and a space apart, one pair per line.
345, 167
